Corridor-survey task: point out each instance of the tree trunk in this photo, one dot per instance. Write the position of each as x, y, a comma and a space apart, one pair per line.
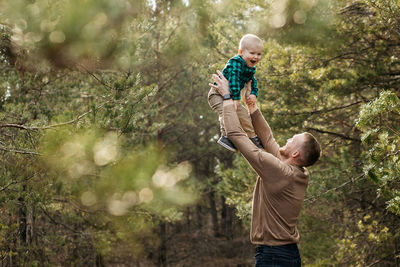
22, 218
214, 215
162, 258
188, 219
226, 220
199, 217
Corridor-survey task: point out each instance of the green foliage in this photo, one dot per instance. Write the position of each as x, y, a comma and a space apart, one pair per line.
379, 122
106, 134
237, 186
314, 77
67, 31
354, 248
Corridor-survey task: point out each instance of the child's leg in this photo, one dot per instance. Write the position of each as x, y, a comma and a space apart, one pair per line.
215, 101
247, 126
245, 121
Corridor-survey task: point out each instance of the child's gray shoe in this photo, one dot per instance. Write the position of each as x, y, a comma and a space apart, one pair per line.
257, 142
226, 143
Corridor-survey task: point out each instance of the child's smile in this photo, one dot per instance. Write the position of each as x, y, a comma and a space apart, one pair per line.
252, 54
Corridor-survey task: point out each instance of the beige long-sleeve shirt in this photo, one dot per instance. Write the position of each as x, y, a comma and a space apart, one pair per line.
280, 187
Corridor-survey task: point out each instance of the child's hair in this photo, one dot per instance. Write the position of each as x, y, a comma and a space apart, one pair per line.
249, 38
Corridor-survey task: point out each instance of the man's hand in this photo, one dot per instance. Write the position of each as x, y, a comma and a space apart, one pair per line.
222, 83
251, 100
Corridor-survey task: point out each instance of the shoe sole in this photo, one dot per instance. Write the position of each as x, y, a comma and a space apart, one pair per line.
226, 146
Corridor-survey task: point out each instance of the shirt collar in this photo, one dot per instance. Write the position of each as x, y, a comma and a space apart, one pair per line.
252, 69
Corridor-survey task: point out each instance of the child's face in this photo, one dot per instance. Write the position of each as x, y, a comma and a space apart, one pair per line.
252, 54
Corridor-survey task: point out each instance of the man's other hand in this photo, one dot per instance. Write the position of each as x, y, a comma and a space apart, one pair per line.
222, 83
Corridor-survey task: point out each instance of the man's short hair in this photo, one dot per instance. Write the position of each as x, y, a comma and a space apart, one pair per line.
311, 150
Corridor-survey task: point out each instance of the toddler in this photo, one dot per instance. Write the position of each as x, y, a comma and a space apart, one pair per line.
239, 70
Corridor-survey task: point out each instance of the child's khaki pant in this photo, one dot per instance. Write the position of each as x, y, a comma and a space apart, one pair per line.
215, 101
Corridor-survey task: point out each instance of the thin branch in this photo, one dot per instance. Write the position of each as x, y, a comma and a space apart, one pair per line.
335, 134
19, 126
6, 149
396, 254
351, 180
393, 130
221, 53
94, 76
8, 185
172, 33
16, 182
323, 110
54, 125
55, 222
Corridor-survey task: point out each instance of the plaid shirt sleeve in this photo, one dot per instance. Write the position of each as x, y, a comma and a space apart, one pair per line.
254, 89
235, 70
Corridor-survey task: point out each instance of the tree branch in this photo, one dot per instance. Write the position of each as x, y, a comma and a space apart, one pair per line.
335, 134
6, 149
19, 126
322, 110
94, 76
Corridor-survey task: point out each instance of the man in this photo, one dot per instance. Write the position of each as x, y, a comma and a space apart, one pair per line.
281, 184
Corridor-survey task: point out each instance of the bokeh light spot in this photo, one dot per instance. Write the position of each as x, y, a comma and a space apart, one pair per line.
57, 37
88, 198
105, 150
278, 20
146, 195
299, 17
130, 198
117, 207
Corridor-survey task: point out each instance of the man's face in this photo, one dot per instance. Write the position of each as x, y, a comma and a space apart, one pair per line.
252, 54
292, 144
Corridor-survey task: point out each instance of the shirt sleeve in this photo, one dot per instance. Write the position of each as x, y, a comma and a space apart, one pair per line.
262, 161
264, 132
254, 84
235, 70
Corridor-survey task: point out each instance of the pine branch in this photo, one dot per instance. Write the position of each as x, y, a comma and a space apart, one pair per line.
322, 110
59, 223
6, 149
95, 77
335, 134
351, 180
19, 126
8, 185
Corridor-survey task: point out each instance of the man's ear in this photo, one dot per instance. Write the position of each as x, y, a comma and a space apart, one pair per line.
295, 154
240, 51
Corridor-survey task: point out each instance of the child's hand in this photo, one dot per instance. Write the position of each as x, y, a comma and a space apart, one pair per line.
251, 100
251, 103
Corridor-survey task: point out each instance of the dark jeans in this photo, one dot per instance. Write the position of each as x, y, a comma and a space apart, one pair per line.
277, 256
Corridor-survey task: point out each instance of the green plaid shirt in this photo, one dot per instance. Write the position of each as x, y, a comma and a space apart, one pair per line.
238, 74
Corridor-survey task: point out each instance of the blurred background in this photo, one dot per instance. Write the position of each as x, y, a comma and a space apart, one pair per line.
108, 146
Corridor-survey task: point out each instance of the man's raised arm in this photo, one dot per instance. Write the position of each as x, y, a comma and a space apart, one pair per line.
261, 127
257, 158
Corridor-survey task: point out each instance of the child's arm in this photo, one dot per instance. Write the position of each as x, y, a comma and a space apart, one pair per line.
254, 88
251, 99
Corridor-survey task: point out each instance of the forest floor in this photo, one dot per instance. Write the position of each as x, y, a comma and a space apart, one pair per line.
203, 249
198, 249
